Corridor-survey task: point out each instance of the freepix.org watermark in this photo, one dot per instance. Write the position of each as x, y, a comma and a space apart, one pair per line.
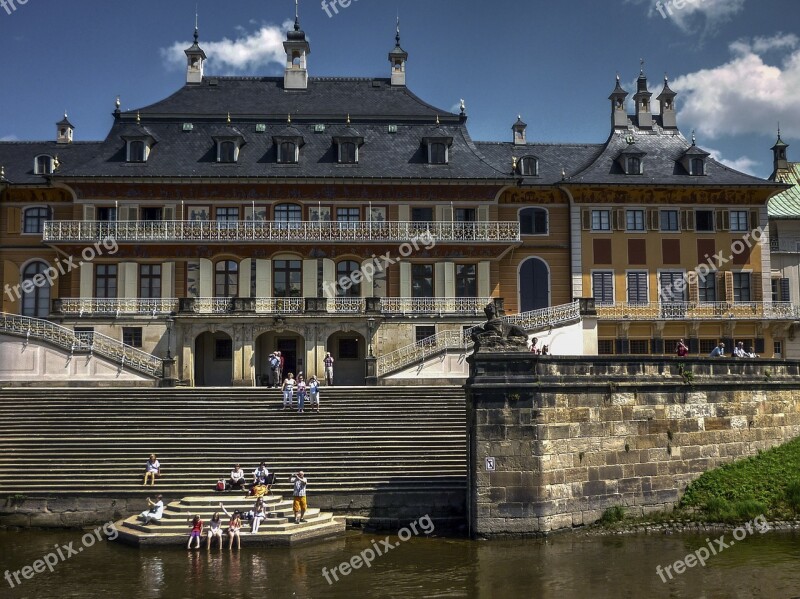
368, 555
61, 267
61, 554
702, 555
10, 6
668, 7
331, 7
379, 264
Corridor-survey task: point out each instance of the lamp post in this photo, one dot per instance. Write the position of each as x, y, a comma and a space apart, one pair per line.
371, 329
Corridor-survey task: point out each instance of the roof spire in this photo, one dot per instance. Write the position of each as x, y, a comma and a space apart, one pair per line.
694, 138
437, 120
229, 118
196, 24
2, 173
397, 37
289, 119
641, 65
348, 118
297, 15
138, 118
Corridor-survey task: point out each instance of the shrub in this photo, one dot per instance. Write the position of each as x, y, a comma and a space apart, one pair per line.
613, 514
793, 495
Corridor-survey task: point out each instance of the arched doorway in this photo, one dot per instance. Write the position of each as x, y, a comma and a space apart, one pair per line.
36, 302
292, 347
534, 285
213, 360
349, 351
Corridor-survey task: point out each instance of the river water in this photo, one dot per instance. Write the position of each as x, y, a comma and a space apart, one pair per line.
561, 567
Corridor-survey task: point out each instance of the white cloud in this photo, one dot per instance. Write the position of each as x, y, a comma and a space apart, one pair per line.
693, 13
9, 138
743, 164
745, 95
248, 52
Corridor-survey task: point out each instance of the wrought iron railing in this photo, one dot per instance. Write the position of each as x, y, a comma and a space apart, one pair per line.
419, 234
346, 305
434, 305
92, 306
97, 343
279, 305
462, 340
698, 311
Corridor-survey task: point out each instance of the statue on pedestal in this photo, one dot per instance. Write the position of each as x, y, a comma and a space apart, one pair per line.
496, 335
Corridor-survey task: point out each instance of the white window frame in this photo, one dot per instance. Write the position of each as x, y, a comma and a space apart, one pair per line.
677, 214
145, 154
637, 271
600, 212
634, 212
446, 153
37, 170
604, 271
737, 225
547, 219
235, 151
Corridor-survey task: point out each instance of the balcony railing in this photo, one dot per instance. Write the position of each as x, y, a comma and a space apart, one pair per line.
532, 322
279, 305
105, 306
784, 246
699, 311
124, 355
472, 306
281, 232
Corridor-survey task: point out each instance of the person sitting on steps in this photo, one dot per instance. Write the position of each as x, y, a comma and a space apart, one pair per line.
154, 511
151, 470
237, 479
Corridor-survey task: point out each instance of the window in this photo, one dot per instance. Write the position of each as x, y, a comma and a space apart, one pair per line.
739, 220
288, 213
105, 281
226, 279
464, 215
348, 217
707, 289
348, 152
346, 286
605, 347
741, 287
708, 345
288, 278
227, 151
603, 287
437, 153
637, 287
777, 349
672, 287
634, 220
43, 165
422, 333
287, 152
528, 167
781, 290
36, 302
348, 349
533, 221
466, 280
106, 214
150, 281
669, 220
601, 220
640, 346
634, 166
136, 151
704, 220
697, 167
227, 215
35, 219
223, 349
422, 280
151, 214
422, 215
132, 336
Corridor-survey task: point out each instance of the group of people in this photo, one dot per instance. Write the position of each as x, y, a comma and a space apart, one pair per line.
277, 365
681, 350
304, 390
261, 484
256, 516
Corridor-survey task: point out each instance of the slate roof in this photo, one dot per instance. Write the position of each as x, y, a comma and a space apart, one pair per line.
18, 157
786, 205
664, 149
552, 159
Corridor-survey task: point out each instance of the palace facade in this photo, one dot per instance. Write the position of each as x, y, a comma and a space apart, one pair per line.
244, 215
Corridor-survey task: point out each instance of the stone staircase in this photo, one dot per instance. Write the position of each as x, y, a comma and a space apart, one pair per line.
94, 442
277, 529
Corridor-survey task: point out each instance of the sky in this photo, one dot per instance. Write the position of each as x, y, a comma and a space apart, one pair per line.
734, 63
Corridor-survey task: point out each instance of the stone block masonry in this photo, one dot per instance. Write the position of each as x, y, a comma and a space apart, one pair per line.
570, 437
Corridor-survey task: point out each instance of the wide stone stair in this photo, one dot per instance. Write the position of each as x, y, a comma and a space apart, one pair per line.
95, 441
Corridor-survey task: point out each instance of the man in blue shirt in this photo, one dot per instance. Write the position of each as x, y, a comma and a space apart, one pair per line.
719, 351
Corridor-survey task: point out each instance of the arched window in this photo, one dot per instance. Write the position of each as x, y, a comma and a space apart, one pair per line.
35, 219
227, 151
437, 153
529, 167
287, 152
348, 152
36, 302
698, 167
534, 285
43, 165
136, 151
345, 285
533, 221
226, 279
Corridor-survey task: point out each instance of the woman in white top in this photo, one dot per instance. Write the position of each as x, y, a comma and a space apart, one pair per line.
259, 513
151, 469
154, 511
215, 529
288, 390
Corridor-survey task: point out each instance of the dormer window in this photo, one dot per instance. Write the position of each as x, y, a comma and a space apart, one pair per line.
348, 142
698, 167
288, 153
43, 165
437, 153
138, 142
438, 144
694, 160
229, 142
137, 151
630, 160
528, 166
634, 166
348, 153
227, 152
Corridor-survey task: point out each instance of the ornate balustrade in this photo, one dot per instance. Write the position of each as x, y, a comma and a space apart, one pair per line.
420, 234
434, 305
124, 355
105, 306
698, 311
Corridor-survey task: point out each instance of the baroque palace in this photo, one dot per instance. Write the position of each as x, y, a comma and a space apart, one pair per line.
244, 215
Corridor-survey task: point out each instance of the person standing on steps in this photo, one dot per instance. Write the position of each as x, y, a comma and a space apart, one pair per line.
301, 393
281, 366
328, 361
300, 504
151, 470
274, 367
313, 389
288, 390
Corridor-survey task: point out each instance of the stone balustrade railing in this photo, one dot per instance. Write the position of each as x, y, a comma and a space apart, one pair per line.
698, 311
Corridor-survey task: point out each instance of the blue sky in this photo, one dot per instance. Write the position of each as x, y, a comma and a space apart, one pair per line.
736, 63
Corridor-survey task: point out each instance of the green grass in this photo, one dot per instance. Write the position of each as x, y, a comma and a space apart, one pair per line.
765, 484
613, 515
